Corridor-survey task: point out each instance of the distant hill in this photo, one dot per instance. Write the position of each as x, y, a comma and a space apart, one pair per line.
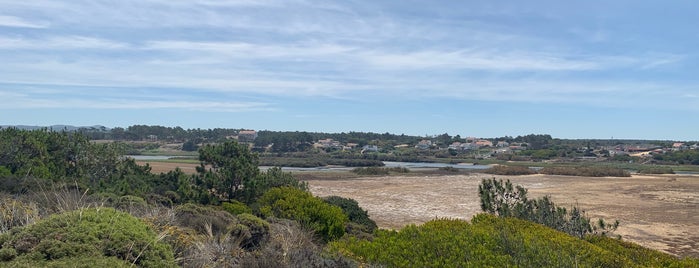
57, 127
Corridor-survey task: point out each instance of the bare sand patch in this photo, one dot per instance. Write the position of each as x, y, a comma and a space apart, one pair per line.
659, 212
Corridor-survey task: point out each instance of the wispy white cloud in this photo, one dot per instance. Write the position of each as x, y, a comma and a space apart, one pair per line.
241, 49
11, 21
312, 49
22, 101
478, 60
60, 42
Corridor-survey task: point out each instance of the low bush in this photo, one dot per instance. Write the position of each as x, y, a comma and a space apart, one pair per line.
586, 171
76, 262
354, 212
292, 245
370, 171
87, 233
198, 217
130, 201
656, 170
509, 170
326, 220
489, 241
639, 254
252, 230
236, 207
379, 170
449, 169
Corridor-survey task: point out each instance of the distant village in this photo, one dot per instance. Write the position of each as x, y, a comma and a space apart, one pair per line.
488, 148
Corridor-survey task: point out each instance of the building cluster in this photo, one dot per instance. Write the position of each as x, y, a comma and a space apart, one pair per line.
648, 149
244, 136
333, 144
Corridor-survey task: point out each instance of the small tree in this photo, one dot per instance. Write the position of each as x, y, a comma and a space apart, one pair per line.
505, 200
225, 168
501, 198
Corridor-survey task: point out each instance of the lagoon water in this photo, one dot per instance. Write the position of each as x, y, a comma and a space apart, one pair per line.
150, 157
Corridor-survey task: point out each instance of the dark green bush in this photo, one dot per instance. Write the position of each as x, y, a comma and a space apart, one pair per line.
449, 169
253, 231
77, 262
158, 200
354, 212
379, 170
290, 203
509, 170
7, 254
102, 232
198, 217
586, 171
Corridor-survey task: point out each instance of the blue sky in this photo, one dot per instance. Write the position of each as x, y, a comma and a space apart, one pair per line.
591, 69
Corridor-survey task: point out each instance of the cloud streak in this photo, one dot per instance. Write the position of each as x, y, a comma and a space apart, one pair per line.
25, 101
209, 51
11, 21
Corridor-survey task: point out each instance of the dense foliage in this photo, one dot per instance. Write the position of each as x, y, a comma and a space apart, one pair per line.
354, 212
228, 170
317, 161
509, 170
87, 233
326, 220
69, 202
679, 157
656, 170
379, 170
495, 242
591, 171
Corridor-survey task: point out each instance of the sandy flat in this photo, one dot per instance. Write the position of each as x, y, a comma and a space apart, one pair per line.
660, 212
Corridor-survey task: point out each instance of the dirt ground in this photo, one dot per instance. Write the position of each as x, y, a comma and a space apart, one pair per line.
164, 167
659, 212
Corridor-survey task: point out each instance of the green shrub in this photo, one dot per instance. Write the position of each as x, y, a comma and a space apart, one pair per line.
637, 253
325, 220
7, 254
370, 171
509, 170
354, 212
252, 230
174, 197
198, 217
449, 169
379, 170
489, 241
77, 262
97, 233
128, 202
158, 200
236, 207
586, 171
656, 170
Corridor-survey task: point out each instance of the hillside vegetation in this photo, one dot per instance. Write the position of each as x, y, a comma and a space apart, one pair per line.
67, 202
488, 241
